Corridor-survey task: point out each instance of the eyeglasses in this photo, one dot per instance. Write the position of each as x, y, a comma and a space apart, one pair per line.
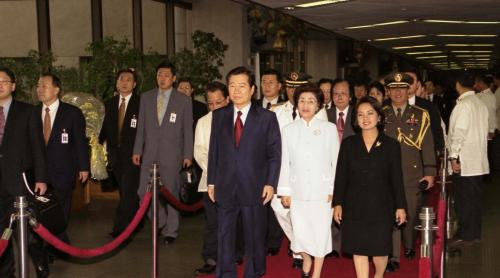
5, 82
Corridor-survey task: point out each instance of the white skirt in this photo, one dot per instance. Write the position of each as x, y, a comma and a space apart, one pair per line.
311, 224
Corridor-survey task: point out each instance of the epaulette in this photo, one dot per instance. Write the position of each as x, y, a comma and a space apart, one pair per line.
424, 111
275, 106
387, 106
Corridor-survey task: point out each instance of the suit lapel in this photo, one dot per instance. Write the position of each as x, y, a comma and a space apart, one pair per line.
249, 125
114, 113
171, 105
128, 113
57, 122
10, 123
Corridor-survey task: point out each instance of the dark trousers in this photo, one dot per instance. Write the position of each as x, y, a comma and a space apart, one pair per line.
467, 194
274, 232
64, 194
127, 177
254, 234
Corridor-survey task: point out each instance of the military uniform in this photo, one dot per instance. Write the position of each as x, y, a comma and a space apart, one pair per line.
418, 159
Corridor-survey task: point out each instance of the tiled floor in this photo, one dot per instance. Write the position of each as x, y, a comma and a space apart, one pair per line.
89, 229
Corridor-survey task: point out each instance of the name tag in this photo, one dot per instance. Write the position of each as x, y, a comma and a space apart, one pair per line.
133, 122
173, 116
64, 137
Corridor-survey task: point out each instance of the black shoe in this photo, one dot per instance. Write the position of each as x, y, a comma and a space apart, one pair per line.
304, 275
169, 240
409, 253
392, 266
333, 254
42, 270
273, 251
297, 263
205, 269
239, 261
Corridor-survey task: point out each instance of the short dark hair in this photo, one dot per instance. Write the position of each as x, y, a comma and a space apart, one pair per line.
309, 88
465, 79
412, 70
241, 70
377, 85
497, 74
166, 65
56, 81
216, 85
485, 79
359, 83
325, 80
183, 79
376, 106
9, 73
272, 72
126, 70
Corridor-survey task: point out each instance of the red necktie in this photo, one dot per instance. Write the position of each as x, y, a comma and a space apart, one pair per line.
340, 125
2, 123
238, 129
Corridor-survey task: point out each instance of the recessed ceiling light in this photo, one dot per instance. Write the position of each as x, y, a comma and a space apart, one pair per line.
424, 52
459, 21
470, 44
377, 24
432, 57
473, 55
471, 51
468, 35
413, 46
399, 38
289, 8
319, 3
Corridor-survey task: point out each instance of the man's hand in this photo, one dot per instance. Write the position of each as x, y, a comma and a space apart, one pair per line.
83, 176
455, 166
40, 188
400, 216
337, 214
136, 159
286, 201
267, 193
430, 180
186, 163
211, 192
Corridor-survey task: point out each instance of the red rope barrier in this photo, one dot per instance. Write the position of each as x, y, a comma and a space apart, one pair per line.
3, 245
87, 253
437, 249
424, 267
178, 204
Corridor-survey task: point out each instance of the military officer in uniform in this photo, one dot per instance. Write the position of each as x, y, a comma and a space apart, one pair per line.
410, 125
286, 114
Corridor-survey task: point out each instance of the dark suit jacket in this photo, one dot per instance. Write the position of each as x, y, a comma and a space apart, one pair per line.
348, 128
199, 110
64, 161
119, 148
437, 131
21, 149
240, 173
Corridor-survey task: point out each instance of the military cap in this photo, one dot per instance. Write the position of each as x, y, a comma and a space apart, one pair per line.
295, 79
398, 80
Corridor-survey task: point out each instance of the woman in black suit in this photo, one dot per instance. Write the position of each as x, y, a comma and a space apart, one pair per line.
369, 194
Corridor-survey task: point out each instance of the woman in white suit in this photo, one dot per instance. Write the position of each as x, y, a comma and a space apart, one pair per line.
309, 159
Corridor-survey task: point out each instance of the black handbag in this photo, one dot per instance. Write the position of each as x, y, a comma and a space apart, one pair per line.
188, 192
46, 209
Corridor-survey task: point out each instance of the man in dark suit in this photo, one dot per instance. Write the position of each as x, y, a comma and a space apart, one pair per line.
21, 150
118, 131
65, 140
199, 108
165, 137
243, 169
341, 112
270, 87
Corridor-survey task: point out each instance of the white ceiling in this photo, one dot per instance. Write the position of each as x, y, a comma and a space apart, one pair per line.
336, 17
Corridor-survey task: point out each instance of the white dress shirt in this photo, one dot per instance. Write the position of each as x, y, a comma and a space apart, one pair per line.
244, 113
201, 144
488, 98
127, 99
468, 135
497, 96
309, 160
274, 101
345, 111
53, 111
412, 100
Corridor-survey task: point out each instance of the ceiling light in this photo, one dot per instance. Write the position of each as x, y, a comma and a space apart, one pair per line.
471, 51
473, 55
432, 57
424, 52
289, 8
468, 35
319, 3
400, 38
459, 21
472, 44
413, 46
377, 24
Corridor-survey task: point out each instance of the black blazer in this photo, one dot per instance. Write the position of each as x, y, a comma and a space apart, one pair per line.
65, 160
123, 147
369, 186
240, 173
348, 128
199, 110
437, 131
22, 149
